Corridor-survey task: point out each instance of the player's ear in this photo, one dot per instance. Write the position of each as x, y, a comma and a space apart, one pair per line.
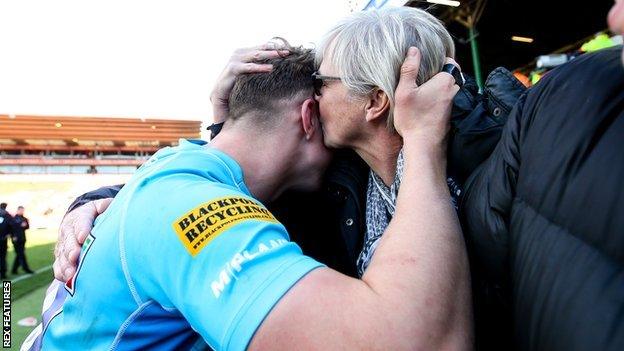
309, 117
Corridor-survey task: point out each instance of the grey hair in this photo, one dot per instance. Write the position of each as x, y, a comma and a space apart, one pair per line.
369, 47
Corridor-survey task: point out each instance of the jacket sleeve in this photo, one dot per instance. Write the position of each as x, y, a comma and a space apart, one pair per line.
487, 199
27, 223
14, 227
484, 212
101, 193
477, 121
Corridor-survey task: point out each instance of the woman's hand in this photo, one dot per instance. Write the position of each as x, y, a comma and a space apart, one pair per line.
423, 112
75, 228
243, 61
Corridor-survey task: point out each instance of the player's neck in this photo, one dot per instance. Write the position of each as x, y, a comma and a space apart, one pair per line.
263, 159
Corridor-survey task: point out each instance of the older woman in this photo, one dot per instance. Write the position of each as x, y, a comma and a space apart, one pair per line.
358, 68
359, 60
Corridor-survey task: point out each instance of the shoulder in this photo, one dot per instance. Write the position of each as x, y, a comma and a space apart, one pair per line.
191, 208
177, 179
601, 70
199, 222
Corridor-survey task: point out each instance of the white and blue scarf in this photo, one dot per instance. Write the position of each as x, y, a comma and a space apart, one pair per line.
380, 207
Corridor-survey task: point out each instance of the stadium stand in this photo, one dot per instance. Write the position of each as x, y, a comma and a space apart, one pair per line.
46, 161
79, 145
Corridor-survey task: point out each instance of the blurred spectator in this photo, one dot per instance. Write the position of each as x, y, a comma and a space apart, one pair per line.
5, 229
19, 241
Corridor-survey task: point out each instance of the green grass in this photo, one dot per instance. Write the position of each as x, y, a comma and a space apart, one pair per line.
45, 202
27, 291
39, 254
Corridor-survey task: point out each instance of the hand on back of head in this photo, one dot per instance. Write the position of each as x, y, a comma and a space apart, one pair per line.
423, 110
242, 61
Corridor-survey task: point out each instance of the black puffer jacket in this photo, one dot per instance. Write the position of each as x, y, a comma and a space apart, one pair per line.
543, 215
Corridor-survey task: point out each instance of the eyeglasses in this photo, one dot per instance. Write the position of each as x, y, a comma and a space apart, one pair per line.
318, 81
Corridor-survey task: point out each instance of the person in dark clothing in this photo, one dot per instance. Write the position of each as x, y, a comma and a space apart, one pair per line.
19, 241
6, 228
543, 217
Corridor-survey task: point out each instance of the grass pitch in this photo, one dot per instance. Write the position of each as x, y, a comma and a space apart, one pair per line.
27, 290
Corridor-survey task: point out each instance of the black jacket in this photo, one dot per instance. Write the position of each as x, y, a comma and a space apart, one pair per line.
19, 233
7, 224
543, 215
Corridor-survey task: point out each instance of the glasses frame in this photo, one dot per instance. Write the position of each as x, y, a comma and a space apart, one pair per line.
319, 79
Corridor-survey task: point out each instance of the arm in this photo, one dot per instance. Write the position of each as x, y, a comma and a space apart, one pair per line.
416, 292
76, 226
12, 225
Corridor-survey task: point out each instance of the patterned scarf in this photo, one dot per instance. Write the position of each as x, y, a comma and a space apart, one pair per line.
380, 207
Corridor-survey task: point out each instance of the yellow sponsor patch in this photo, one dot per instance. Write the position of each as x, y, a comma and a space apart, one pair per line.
202, 224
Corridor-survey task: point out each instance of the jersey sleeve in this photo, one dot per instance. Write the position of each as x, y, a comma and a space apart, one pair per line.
105, 192
213, 254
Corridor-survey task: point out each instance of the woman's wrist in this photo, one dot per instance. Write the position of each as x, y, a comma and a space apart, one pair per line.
429, 143
426, 152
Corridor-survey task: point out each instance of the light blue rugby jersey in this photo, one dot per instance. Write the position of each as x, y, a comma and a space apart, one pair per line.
184, 247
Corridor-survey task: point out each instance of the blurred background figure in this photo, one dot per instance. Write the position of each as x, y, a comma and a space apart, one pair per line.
5, 230
19, 241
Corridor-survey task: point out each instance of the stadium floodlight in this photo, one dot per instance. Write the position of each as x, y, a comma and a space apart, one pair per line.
445, 2
522, 39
